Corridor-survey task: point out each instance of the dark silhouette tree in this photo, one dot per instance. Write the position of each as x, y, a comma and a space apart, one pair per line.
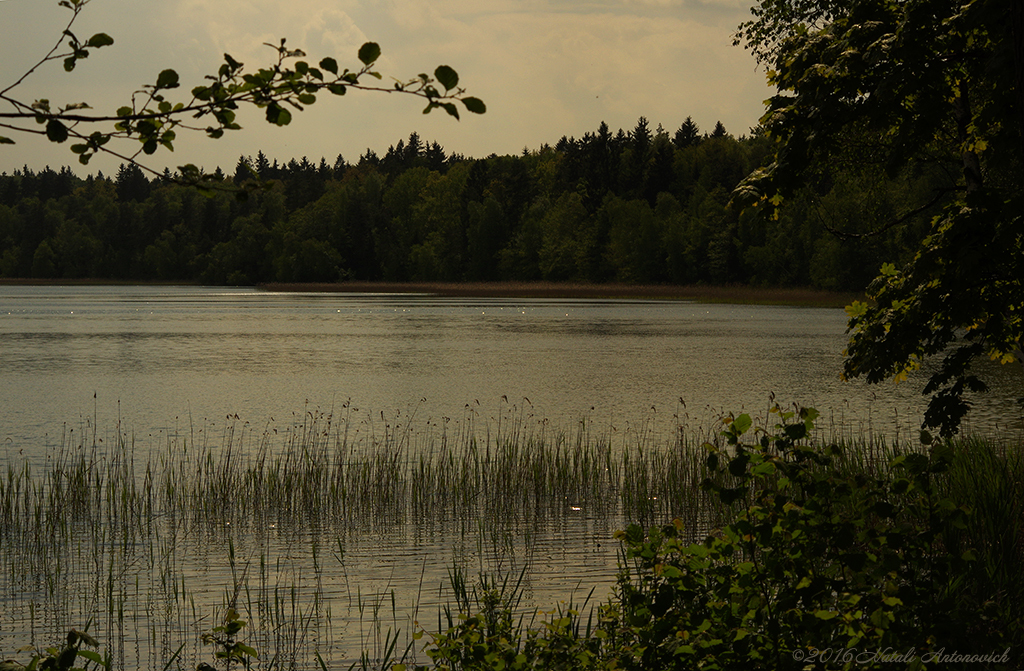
688, 135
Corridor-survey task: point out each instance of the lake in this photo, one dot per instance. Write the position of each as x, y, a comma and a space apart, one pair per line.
138, 378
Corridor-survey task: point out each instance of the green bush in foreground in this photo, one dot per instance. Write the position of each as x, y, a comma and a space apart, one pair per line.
822, 566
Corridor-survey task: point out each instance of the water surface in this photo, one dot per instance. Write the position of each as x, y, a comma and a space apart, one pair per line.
154, 369
158, 358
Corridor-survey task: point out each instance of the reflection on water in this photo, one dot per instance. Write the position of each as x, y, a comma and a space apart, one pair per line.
167, 366
156, 356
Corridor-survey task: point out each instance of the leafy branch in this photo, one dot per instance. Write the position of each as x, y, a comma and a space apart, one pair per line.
154, 118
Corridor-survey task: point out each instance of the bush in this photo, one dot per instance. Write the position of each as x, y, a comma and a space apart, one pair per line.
822, 566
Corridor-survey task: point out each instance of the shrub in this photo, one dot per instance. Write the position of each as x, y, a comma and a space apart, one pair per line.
821, 566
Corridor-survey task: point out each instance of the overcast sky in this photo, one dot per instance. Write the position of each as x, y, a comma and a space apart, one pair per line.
545, 68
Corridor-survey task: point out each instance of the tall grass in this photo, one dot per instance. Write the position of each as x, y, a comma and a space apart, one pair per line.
133, 534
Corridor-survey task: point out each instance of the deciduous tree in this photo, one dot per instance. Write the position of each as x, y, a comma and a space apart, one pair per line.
918, 84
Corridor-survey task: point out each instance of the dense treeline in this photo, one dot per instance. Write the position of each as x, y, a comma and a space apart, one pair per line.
643, 206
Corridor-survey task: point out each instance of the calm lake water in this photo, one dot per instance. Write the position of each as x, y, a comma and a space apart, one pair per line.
160, 358
162, 366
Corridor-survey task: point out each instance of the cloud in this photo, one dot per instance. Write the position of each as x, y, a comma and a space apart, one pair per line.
332, 32
545, 68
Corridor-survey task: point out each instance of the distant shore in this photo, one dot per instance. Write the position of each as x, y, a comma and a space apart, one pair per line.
740, 294
707, 294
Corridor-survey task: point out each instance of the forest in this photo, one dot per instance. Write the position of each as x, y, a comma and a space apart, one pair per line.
643, 206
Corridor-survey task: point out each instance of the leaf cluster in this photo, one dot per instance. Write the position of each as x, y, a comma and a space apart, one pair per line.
68, 657
154, 117
820, 562
904, 86
229, 650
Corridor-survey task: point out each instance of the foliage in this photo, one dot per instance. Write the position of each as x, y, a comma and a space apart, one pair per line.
154, 117
911, 86
822, 565
230, 650
65, 657
827, 556
487, 634
816, 558
416, 213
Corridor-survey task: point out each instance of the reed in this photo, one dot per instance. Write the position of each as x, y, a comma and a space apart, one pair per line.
132, 533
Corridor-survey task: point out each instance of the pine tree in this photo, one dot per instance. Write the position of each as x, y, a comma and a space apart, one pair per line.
132, 183
262, 165
688, 135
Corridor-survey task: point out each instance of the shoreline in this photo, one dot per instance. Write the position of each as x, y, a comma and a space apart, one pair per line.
741, 294
736, 294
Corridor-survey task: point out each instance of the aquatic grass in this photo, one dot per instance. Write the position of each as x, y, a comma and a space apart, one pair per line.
103, 525
100, 527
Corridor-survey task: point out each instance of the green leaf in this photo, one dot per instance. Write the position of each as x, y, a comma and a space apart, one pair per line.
278, 115
66, 658
231, 62
712, 461
856, 309
168, 79
6, 140
451, 109
741, 424
100, 40
369, 52
330, 65
56, 131
474, 105
942, 454
447, 77
91, 655
247, 650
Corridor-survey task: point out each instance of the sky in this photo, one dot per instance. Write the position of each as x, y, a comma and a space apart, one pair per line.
545, 68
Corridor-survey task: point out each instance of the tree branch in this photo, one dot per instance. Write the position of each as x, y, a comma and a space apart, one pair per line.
843, 235
153, 121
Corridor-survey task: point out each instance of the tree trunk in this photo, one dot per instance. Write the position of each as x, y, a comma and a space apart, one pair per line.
1017, 28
